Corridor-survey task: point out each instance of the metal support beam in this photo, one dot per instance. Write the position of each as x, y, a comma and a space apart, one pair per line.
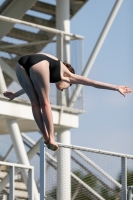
64, 135
63, 45
34, 149
6, 47
64, 166
17, 141
11, 181
76, 192
16, 9
39, 21
8, 70
45, 28
28, 36
87, 187
110, 178
3, 87
124, 177
42, 170
96, 49
129, 195
8, 153
44, 8
30, 184
28, 138
95, 151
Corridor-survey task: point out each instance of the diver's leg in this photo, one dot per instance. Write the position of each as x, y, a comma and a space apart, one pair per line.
28, 87
39, 74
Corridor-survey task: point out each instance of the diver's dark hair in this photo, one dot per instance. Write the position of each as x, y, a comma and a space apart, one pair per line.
69, 67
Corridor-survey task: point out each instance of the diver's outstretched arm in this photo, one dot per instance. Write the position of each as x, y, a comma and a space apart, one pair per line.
13, 95
77, 79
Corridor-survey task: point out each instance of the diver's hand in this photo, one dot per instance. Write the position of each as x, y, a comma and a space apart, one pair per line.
9, 95
124, 90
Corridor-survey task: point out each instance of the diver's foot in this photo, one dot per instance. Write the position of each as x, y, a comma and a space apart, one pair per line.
52, 145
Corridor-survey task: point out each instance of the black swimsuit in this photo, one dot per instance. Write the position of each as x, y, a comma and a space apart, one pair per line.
32, 59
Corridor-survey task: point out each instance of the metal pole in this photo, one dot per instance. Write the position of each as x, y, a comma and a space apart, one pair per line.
8, 153
124, 177
11, 181
61, 97
34, 149
63, 167
28, 138
8, 70
3, 87
26, 45
62, 47
96, 49
42, 171
45, 28
30, 183
129, 196
63, 135
95, 150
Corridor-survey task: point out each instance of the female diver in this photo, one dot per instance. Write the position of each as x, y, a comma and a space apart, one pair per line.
34, 73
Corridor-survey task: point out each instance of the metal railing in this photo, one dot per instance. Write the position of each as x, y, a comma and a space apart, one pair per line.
45, 28
125, 192
12, 48
11, 179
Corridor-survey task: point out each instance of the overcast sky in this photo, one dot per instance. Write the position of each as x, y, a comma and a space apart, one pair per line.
108, 121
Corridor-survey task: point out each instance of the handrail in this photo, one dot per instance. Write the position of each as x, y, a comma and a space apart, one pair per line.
45, 28
16, 165
10, 178
95, 150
